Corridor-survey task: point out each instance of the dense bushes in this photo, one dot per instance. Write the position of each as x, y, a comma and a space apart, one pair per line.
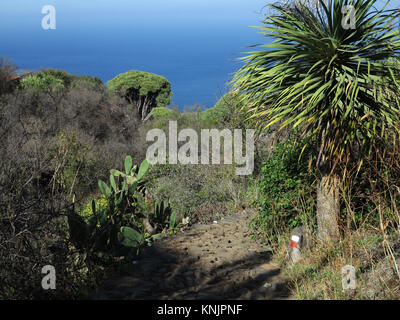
223, 109
87, 128
201, 192
164, 113
286, 191
55, 146
33, 230
227, 113
371, 192
59, 135
48, 79
41, 81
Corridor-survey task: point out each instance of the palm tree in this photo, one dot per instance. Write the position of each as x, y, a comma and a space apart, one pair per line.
336, 83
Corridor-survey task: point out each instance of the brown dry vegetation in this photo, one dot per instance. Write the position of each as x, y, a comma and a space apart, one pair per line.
55, 145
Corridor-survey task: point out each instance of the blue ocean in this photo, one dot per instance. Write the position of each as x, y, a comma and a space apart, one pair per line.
193, 43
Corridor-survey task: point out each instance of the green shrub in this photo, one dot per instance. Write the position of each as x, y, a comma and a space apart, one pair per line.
202, 193
164, 113
68, 79
61, 75
223, 110
286, 192
41, 81
94, 81
52, 78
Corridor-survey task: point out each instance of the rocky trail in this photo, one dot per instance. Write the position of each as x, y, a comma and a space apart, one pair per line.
216, 261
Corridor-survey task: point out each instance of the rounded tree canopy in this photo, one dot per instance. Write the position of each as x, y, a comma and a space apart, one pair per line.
143, 84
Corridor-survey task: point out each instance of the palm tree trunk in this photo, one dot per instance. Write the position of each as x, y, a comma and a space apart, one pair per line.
328, 202
328, 207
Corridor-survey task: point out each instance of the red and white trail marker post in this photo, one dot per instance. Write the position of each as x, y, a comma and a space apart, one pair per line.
294, 241
299, 240
294, 248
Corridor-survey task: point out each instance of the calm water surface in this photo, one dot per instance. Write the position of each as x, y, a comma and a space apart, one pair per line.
193, 43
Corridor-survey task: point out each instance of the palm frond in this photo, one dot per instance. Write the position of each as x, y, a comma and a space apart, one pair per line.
340, 85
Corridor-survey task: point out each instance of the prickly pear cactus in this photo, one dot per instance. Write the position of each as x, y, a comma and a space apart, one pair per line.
116, 224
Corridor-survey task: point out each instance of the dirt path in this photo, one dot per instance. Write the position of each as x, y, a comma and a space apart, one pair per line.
213, 262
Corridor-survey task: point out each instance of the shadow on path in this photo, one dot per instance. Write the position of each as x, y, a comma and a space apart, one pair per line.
208, 262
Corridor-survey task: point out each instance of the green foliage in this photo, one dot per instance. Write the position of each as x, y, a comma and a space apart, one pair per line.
53, 78
227, 113
74, 154
112, 229
41, 81
94, 81
137, 85
81, 165
164, 113
87, 210
61, 75
223, 110
129, 237
161, 213
202, 193
70, 80
172, 221
115, 224
164, 217
286, 192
